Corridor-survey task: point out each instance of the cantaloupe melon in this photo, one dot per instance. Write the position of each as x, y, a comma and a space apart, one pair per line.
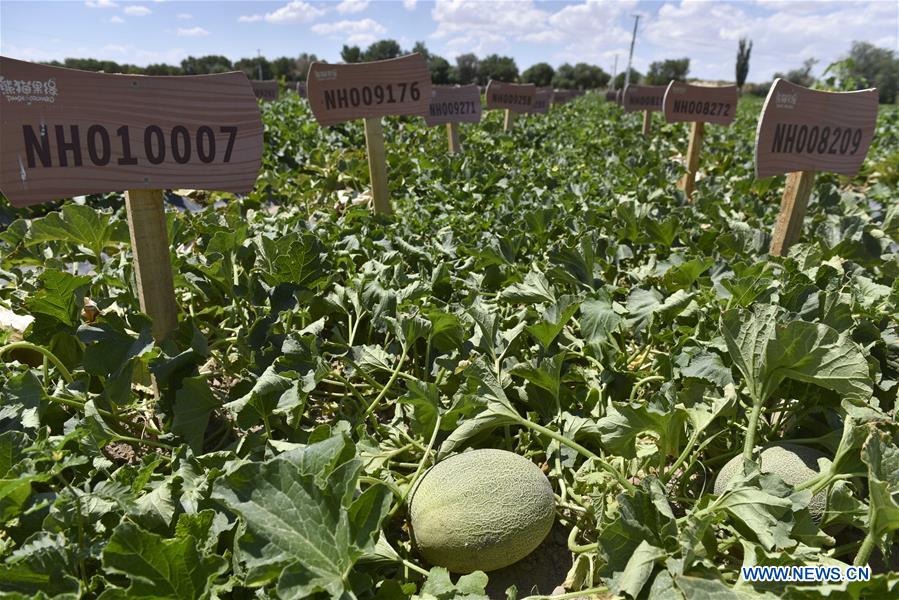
481, 510
793, 463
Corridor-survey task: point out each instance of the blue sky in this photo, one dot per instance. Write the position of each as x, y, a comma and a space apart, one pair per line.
785, 32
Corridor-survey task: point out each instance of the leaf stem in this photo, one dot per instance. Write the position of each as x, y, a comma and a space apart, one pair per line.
641, 382
864, 553
421, 465
393, 376
580, 449
749, 444
47, 354
571, 595
579, 548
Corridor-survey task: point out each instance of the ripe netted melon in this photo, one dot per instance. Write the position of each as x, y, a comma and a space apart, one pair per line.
481, 510
793, 463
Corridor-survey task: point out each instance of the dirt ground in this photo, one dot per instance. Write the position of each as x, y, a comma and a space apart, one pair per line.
540, 572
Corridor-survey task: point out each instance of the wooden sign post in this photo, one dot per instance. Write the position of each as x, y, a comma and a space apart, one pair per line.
698, 105
513, 97
542, 101
803, 131
265, 90
451, 105
344, 92
65, 133
647, 98
565, 96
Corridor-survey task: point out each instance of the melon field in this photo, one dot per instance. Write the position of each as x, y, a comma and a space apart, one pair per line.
548, 292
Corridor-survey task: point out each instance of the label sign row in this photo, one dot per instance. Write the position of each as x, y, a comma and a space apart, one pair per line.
345, 92
454, 104
684, 102
643, 97
516, 97
66, 132
811, 130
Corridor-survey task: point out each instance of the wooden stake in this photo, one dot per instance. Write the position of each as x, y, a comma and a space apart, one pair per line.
788, 228
377, 164
152, 266
507, 122
647, 122
452, 135
688, 181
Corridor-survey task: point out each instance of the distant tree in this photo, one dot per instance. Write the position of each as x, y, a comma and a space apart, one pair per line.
382, 50
257, 67
466, 70
203, 65
498, 67
438, 66
744, 49
589, 77
665, 71
540, 74
802, 76
421, 49
162, 69
564, 78
284, 67
351, 54
92, 64
302, 65
441, 70
875, 67
636, 77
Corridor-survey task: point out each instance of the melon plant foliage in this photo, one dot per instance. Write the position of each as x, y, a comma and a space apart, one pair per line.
547, 291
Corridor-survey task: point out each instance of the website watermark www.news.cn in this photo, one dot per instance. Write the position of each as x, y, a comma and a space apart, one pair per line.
806, 574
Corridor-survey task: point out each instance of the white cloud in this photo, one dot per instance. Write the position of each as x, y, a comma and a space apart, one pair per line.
192, 32
184, 16
137, 11
352, 6
116, 19
587, 31
100, 4
114, 49
409, 4
784, 34
291, 13
361, 32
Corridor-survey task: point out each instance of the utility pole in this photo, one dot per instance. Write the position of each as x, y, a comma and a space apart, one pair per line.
614, 72
627, 75
259, 61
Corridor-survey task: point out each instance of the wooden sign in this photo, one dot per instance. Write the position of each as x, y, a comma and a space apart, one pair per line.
454, 104
344, 92
811, 130
265, 90
561, 97
516, 97
643, 97
802, 131
542, 100
66, 132
700, 104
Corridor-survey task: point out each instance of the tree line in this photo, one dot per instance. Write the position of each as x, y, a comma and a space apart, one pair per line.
865, 65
